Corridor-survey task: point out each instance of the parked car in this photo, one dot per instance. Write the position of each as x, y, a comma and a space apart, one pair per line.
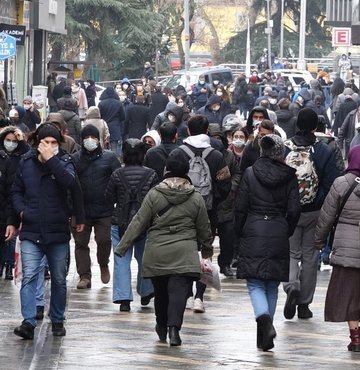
296, 77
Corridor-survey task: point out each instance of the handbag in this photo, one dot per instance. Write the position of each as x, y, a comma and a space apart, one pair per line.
342, 205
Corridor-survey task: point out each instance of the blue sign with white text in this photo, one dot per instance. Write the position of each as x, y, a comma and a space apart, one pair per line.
7, 46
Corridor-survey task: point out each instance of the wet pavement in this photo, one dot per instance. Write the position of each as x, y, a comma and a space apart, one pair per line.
100, 337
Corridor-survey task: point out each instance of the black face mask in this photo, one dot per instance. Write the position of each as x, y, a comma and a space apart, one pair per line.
147, 147
14, 120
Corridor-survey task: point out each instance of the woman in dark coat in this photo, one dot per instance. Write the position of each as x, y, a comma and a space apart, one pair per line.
266, 213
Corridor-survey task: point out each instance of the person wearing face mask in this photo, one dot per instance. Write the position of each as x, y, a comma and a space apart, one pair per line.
175, 115
225, 100
214, 85
256, 115
151, 139
32, 116
93, 117
237, 146
12, 142
16, 116
94, 167
78, 93
39, 195
201, 93
212, 110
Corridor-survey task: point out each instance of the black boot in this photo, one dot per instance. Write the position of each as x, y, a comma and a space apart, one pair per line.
174, 336
25, 330
8, 273
267, 331
1, 269
259, 337
161, 331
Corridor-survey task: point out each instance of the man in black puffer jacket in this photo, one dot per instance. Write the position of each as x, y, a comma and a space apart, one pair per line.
94, 167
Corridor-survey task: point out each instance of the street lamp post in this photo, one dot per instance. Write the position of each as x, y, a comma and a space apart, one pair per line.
301, 63
269, 25
187, 38
282, 32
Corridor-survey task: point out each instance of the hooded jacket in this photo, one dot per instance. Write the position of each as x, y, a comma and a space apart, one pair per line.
112, 112
173, 238
137, 121
267, 210
182, 132
73, 124
250, 122
213, 116
93, 117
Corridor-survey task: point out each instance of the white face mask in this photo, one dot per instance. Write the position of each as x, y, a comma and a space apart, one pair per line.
256, 123
10, 146
75, 89
219, 93
56, 149
180, 104
27, 106
201, 82
272, 101
125, 86
238, 143
171, 118
118, 89
231, 89
216, 82
90, 144
122, 98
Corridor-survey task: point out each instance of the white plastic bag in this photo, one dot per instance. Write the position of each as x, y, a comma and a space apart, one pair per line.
18, 264
210, 274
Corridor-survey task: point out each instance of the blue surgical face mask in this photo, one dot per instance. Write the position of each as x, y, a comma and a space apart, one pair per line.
10, 146
90, 144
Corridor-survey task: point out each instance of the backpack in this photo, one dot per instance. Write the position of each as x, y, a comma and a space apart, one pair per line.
300, 158
199, 173
132, 201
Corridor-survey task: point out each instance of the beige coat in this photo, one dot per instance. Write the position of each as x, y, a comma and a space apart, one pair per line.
346, 247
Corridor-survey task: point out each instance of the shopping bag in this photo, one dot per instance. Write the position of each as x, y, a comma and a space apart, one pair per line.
18, 264
210, 274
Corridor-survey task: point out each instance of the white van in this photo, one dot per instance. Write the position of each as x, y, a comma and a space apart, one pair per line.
295, 77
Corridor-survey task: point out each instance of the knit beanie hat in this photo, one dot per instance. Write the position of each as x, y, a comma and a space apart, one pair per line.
272, 146
48, 130
28, 98
90, 130
177, 165
307, 120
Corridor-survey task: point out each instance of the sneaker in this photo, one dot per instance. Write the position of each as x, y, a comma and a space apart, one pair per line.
198, 306
304, 312
290, 304
190, 303
124, 306
146, 300
25, 330
58, 329
105, 274
84, 284
39, 312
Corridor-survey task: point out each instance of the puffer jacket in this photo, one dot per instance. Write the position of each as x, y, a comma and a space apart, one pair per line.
346, 251
40, 191
172, 240
115, 190
267, 210
94, 170
73, 124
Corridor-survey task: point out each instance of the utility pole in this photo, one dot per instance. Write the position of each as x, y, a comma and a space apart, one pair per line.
282, 32
187, 39
301, 63
268, 31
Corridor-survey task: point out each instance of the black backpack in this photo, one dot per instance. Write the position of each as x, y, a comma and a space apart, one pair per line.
132, 201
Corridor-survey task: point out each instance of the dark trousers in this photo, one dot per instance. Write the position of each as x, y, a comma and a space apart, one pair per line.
171, 293
102, 230
227, 240
2, 244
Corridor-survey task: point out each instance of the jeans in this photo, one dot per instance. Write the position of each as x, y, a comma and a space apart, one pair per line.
40, 285
263, 295
32, 257
122, 272
116, 147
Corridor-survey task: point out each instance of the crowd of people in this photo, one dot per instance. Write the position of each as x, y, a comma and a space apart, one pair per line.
159, 173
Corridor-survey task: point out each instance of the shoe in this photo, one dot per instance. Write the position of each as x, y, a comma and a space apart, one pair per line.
259, 336
84, 284
25, 330
125, 306
234, 263
355, 340
105, 274
198, 306
161, 332
2, 270
304, 312
146, 300
267, 332
47, 274
8, 273
39, 312
290, 304
190, 303
226, 270
58, 329
174, 336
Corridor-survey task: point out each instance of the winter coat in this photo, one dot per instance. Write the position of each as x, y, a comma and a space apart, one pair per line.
345, 251
156, 157
267, 210
240, 92
115, 190
137, 121
345, 108
320, 110
112, 113
93, 118
181, 126
67, 102
325, 166
213, 116
31, 119
173, 238
347, 130
159, 102
200, 97
94, 170
40, 192
73, 124
287, 121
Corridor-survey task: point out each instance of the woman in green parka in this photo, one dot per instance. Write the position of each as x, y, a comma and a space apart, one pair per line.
177, 223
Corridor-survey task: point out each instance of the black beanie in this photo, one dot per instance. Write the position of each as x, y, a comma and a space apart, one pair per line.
307, 120
177, 165
48, 130
90, 130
